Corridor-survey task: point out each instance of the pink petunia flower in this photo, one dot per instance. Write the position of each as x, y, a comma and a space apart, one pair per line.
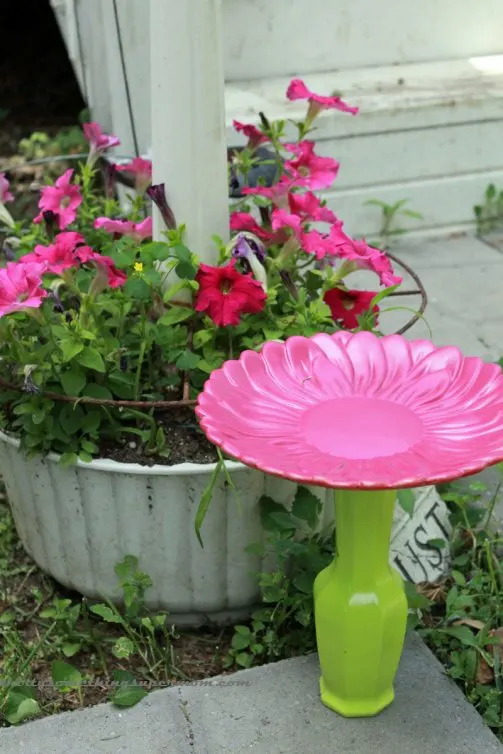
309, 170
363, 256
244, 222
5, 194
63, 199
106, 267
317, 102
309, 207
98, 141
142, 171
68, 250
21, 287
284, 220
137, 231
277, 193
252, 133
318, 244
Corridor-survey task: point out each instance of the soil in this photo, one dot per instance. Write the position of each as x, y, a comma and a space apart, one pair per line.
38, 88
184, 442
25, 591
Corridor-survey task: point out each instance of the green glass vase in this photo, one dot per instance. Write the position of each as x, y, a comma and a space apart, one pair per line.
360, 608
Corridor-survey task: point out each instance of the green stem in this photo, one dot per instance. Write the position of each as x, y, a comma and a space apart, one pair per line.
141, 357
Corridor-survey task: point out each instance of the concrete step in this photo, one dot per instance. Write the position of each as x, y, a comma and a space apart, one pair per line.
426, 132
270, 710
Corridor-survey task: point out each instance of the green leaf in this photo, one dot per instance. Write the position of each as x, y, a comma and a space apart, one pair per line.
70, 349
269, 512
137, 288
188, 360
70, 649
158, 250
91, 420
180, 285
185, 270
306, 506
65, 676
438, 544
174, 315
382, 294
244, 630
73, 381
205, 501
123, 647
201, 337
128, 696
303, 582
416, 601
68, 459
38, 416
92, 390
89, 447
20, 707
244, 660
71, 418
240, 642
461, 633
406, 501
92, 359
106, 613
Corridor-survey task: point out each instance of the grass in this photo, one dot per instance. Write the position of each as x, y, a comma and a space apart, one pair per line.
61, 653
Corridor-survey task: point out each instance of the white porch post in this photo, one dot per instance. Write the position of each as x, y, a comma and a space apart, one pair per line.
188, 122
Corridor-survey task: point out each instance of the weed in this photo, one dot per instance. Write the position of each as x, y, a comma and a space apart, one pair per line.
390, 217
489, 214
60, 652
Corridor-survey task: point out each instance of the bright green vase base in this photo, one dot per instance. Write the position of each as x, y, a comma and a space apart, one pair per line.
355, 707
360, 608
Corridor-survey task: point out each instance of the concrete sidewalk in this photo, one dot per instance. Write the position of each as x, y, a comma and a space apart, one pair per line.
463, 278
270, 710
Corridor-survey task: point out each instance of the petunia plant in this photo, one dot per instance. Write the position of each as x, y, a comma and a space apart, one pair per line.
105, 332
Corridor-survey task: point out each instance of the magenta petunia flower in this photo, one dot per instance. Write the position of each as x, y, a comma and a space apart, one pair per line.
5, 194
21, 287
62, 199
244, 222
68, 250
363, 256
357, 411
298, 90
309, 170
112, 276
309, 207
98, 140
282, 219
252, 133
277, 193
137, 231
142, 171
321, 245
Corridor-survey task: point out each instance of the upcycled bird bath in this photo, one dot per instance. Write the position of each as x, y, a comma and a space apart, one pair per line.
365, 416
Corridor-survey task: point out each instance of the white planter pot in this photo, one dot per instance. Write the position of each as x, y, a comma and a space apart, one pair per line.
78, 522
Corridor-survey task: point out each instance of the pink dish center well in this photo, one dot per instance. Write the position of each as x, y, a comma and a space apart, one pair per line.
361, 428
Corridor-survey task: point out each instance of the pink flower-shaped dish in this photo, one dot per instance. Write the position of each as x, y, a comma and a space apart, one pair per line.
356, 411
